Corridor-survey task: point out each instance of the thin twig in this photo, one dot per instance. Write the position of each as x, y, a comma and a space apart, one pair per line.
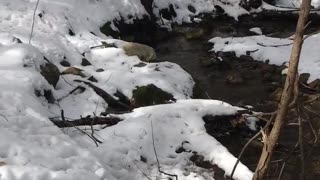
33, 21
248, 143
285, 161
4, 117
301, 146
71, 92
141, 170
155, 153
95, 140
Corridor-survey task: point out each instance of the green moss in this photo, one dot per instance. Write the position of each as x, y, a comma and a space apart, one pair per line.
150, 95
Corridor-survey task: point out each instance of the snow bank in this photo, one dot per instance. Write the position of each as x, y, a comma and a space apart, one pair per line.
297, 3
53, 23
261, 49
184, 14
30, 146
127, 148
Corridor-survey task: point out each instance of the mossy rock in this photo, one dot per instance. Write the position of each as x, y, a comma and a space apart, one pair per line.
150, 95
50, 72
144, 52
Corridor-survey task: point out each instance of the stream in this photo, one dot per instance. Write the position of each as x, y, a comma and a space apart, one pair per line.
238, 81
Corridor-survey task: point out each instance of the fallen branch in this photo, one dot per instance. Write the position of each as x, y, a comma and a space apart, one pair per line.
71, 92
87, 121
113, 103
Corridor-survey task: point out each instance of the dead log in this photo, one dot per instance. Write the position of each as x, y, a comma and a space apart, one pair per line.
86, 121
113, 103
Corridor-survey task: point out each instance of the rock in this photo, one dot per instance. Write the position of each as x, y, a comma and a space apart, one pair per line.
65, 63
45, 93
267, 61
148, 6
207, 62
50, 72
248, 4
100, 70
219, 9
74, 71
85, 62
16, 40
197, 33
192, 9
303, 78
246, 58
140, 64
92, 79
189, 32
144, 52
168, 13
213, 59
150, 95
108, 30
71, 33
234, 78
121, 97
228, 54
49, 96
276, 95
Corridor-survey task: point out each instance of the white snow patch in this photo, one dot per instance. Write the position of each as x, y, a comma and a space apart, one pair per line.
262, 49
174, 125
256, 30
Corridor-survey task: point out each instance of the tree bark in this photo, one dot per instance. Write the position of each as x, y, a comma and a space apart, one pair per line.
286, 97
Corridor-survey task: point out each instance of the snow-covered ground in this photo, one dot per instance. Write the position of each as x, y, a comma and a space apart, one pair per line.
296, 3
276, 50
32, 148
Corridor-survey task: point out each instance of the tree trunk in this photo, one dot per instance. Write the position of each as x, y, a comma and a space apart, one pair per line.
286, 97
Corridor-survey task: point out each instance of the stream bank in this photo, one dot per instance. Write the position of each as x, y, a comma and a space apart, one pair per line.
240, 81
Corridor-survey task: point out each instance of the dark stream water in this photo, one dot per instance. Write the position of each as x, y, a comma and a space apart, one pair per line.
258, 81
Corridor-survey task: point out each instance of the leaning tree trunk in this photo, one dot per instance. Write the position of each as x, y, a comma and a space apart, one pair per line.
271, 139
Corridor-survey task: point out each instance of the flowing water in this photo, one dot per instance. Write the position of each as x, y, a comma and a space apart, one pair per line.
188, 46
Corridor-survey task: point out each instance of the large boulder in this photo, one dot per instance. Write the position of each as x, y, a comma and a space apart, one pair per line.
144, 52
50, 72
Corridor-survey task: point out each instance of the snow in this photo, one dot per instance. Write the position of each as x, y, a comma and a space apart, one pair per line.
256, 30
31, 147
173, 125
309, 59
296, 3
231, 8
